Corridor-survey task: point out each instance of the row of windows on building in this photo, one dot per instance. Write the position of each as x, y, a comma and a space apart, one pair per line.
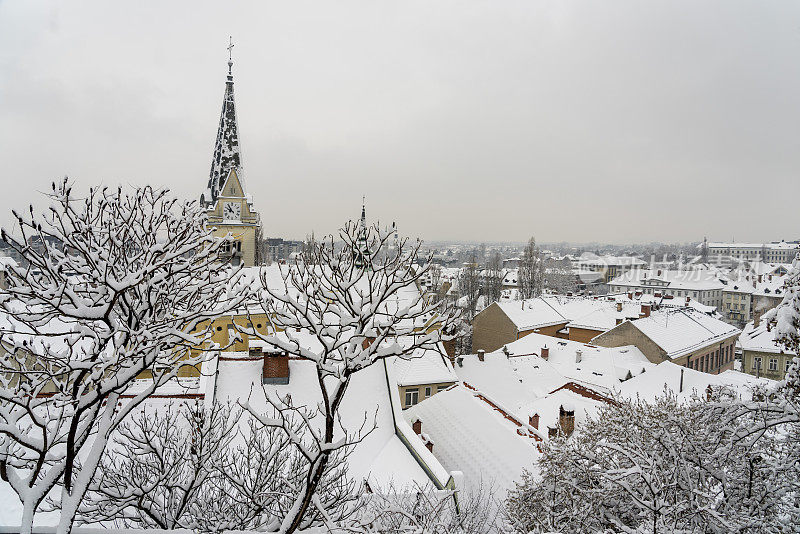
412, 394
773, 363
712, 360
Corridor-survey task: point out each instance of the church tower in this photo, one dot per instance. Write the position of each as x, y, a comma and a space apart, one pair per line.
228, 206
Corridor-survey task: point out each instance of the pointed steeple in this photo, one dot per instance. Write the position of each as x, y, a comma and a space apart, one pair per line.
363, 258
227, 153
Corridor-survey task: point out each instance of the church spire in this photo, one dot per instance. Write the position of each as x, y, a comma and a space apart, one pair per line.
227, 154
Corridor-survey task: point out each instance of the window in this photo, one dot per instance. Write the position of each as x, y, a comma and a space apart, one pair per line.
757, 362
773, 364
412, 397
428, 391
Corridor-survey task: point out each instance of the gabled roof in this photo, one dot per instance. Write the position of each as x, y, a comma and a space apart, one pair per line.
471, 435
761, 338
531, 313
681, 331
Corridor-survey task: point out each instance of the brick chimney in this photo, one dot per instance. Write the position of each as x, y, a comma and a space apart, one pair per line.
619, 320
276, 368
659, 272
534, 421
566, 420
429, 444
545, 352
619, 306
687, 299
645, 310
630, 295
417, 426
481, 354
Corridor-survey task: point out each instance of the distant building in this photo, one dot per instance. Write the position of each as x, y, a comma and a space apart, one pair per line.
776, 252
762, 355
610, 266
282, 249
704, 286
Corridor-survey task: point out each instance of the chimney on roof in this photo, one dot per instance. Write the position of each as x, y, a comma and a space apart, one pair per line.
756, 318
769, 326
275, 369
578, 356
638, 294
569, 293
657, 294
630, 295
619, 306
687, 299
619, 320
566, 420
417, 426
645, 310
759, 278
659, 272
545, 352
460, 361
481, 355
429, 444
534, 421
769, 277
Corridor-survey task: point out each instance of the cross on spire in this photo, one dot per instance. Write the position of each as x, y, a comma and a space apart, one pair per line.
230, 54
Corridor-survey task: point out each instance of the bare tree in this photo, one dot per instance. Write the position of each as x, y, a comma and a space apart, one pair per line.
531, 271
205, 469
341, 309
558, 277
123, 284
493, 278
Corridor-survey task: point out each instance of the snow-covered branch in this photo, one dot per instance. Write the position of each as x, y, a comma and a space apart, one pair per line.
113, 286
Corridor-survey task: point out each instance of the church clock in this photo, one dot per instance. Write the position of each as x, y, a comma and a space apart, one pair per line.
232, 211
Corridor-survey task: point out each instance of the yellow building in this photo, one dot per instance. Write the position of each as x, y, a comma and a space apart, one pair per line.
229, 207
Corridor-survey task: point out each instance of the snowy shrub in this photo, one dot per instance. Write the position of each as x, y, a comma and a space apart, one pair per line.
662, 467
418, 510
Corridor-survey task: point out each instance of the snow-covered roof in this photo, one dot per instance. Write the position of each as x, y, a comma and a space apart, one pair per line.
376, 458
761, 338
694, 280
531, 313
423, 367
6, 262
601, 368
651, 384
681, 331
474, 437
518, 380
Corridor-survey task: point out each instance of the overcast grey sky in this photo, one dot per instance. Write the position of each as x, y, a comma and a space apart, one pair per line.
613, 121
